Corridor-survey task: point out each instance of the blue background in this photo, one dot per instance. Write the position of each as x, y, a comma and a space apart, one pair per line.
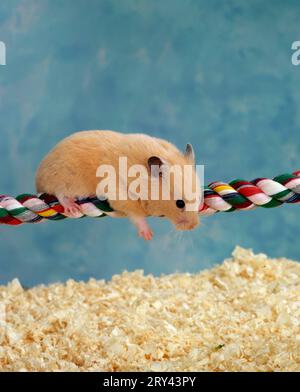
214, 73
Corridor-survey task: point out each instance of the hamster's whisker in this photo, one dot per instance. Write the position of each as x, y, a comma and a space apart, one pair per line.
179, 235
173, 232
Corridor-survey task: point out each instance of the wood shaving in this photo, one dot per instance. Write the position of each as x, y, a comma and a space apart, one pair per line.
242, 315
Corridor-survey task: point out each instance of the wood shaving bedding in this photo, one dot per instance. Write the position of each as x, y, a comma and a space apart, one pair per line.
242, 315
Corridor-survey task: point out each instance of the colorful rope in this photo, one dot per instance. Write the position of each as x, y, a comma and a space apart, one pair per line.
218, 196
247, 195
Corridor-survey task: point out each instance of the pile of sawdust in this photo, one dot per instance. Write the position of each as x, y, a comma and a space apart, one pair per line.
243, 315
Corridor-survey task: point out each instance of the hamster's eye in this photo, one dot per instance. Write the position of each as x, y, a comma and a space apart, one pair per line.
180, 203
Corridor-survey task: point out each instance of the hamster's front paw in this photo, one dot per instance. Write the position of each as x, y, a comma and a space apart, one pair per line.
147, 234
143, 227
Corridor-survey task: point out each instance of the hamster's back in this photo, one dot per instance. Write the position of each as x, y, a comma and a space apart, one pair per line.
70, 167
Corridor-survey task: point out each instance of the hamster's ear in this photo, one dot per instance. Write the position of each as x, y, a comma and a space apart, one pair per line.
155, 164
189, 153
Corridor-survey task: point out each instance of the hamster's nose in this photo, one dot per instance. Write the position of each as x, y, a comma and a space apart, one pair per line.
193, 225
187, 224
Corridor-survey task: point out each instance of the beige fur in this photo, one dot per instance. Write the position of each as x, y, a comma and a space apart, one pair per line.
70, 167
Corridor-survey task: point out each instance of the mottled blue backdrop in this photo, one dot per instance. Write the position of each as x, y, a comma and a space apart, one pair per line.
214, 73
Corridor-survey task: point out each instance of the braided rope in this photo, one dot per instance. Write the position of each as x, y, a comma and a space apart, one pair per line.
218, 196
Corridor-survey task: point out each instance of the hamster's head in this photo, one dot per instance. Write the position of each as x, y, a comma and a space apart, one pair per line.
176, 186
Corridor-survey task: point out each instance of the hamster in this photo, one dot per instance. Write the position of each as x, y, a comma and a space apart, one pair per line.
69, 170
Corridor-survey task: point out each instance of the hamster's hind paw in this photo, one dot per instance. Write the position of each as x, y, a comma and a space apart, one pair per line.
71, 209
